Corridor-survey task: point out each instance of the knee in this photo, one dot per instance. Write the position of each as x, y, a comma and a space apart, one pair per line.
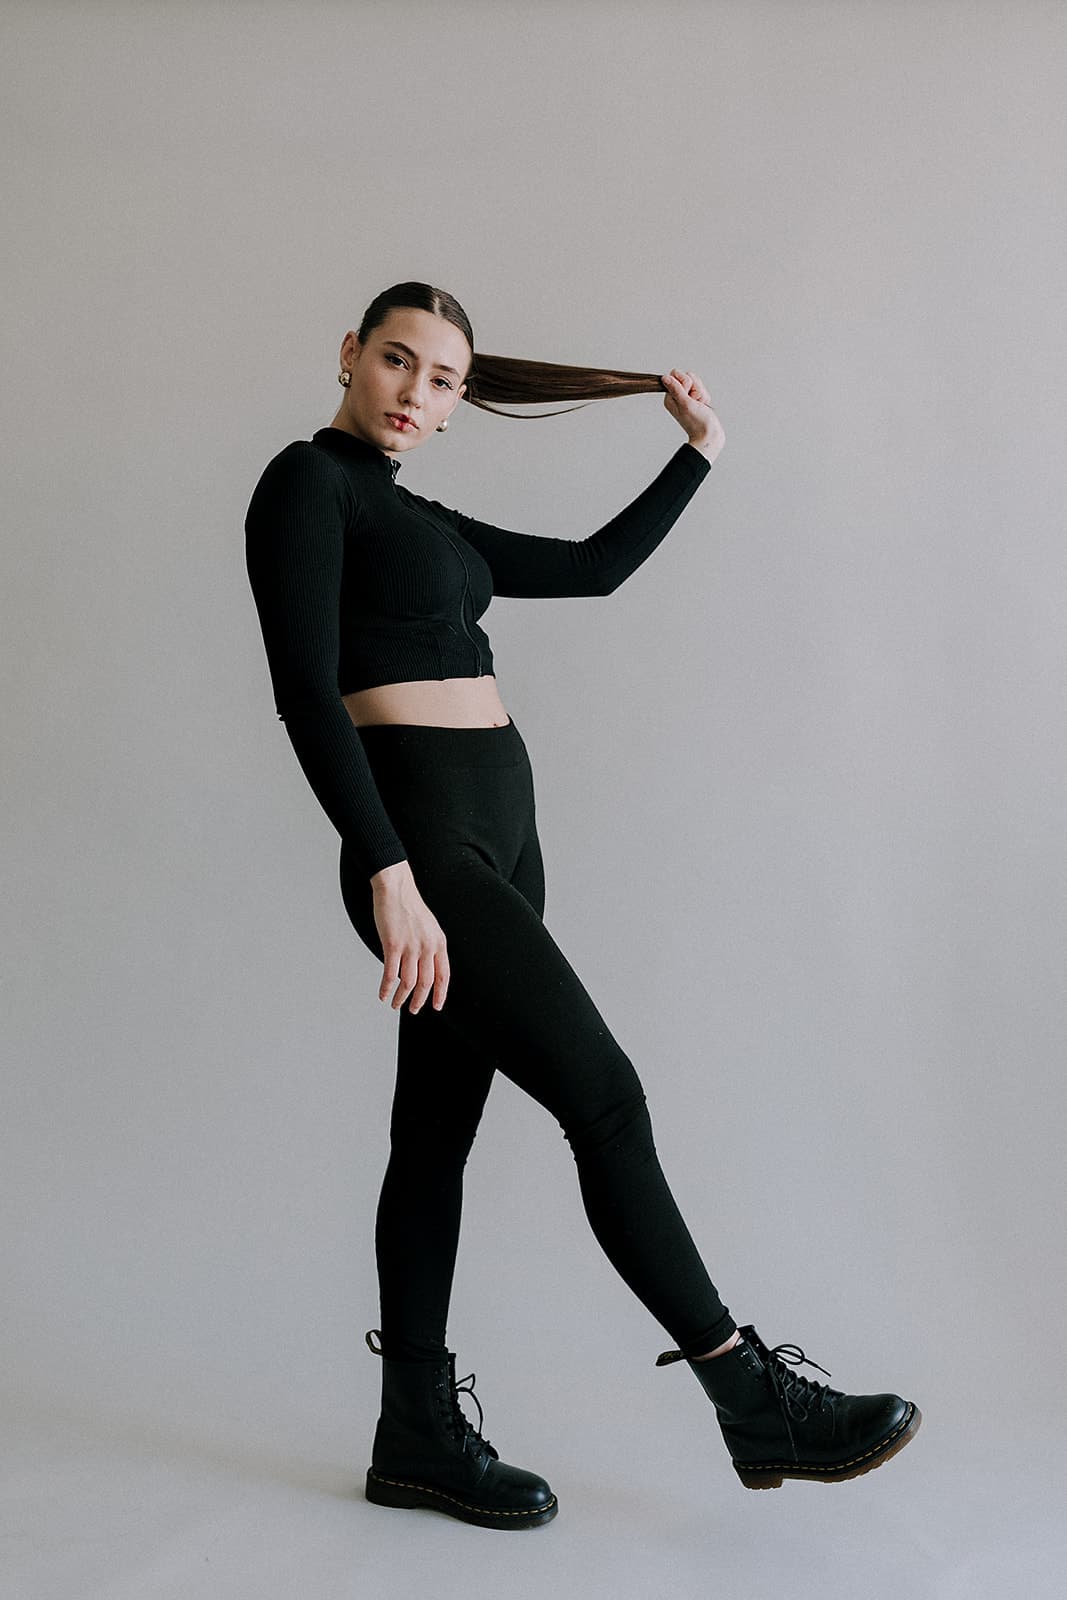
422, 1146
621, 1127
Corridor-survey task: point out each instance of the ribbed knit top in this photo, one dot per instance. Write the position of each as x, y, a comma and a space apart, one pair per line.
360, 582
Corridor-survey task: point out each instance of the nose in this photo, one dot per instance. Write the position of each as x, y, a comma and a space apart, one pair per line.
412, 392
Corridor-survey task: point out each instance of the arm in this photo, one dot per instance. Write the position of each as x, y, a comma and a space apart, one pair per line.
294, 545
530, 565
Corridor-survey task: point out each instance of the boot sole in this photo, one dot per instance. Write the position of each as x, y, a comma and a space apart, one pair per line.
770, 1476
406, 1495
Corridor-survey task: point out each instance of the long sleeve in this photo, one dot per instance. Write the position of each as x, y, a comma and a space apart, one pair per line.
294, 548
533, 565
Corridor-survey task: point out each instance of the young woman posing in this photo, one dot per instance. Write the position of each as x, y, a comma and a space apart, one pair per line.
369, 597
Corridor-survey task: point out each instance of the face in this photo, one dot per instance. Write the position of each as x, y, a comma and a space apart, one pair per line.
411, 366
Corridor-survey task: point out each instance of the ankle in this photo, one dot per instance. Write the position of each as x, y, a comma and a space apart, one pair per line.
721, 1349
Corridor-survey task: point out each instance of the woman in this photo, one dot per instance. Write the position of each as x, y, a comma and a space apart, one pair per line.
369, 597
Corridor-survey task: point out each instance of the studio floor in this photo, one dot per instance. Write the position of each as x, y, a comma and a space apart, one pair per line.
99, 1513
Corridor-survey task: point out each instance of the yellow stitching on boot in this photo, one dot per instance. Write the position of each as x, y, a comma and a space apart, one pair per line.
796, 1466
485, 1511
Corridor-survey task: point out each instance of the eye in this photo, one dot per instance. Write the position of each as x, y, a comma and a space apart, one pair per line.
391, 355
445, 382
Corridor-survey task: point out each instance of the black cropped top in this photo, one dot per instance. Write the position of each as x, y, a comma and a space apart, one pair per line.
360, 582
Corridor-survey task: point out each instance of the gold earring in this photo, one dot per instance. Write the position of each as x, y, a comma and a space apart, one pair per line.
344, 377
442, 426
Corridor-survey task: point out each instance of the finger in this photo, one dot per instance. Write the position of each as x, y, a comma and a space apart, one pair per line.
697, 392
424, 985
440, 988
391, 974
687, 383
409, 973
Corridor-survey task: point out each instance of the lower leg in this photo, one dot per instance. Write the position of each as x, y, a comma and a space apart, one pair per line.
775, 1423
425, 1450
416, 1235
441, 1088
637, 1223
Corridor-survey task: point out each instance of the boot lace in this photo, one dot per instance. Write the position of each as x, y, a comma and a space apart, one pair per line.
799, 1396
469, 1437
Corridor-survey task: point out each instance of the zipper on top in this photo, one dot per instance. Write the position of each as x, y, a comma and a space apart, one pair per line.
463, 605
466, 579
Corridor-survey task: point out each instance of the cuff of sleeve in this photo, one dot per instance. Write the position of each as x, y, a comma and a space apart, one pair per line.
384, 856
696, 459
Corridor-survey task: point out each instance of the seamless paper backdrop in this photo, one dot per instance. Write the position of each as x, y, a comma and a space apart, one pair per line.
800, 782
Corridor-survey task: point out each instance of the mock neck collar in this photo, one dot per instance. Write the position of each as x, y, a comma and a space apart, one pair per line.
351, 444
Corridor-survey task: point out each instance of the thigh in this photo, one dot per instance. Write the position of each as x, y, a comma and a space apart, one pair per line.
516, 999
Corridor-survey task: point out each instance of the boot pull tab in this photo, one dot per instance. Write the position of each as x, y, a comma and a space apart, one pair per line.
668, 1356
376, 1348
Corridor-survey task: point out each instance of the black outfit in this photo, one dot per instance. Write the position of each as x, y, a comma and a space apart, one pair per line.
360, 582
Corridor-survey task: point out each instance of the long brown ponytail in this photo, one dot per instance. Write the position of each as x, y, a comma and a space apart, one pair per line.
505, 378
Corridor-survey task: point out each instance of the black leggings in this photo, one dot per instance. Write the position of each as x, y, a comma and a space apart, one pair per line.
462, 801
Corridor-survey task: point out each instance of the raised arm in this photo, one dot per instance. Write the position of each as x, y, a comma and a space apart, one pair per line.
532, 565
294, 544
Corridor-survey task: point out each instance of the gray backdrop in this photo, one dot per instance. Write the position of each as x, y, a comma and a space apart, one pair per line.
800, 783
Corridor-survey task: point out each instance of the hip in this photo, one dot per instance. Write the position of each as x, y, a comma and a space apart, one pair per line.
461, 800
447, 788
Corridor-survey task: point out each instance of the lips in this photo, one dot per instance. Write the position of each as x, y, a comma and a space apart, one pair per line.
399, 420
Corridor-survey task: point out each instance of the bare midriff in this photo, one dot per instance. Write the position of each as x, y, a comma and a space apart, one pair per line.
430, 703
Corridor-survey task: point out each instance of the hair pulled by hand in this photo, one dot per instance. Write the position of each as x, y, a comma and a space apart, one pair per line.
689, 404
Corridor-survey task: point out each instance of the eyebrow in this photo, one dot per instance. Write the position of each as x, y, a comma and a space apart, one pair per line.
408, 352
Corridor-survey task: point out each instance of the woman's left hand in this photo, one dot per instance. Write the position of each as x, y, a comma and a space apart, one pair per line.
689, 404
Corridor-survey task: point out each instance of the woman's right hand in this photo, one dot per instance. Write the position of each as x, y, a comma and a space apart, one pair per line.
413, 942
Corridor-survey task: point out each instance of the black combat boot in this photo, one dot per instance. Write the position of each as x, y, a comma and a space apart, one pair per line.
779, 1425
427, 1453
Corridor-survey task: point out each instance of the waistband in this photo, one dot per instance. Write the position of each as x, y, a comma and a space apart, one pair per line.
472, 747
